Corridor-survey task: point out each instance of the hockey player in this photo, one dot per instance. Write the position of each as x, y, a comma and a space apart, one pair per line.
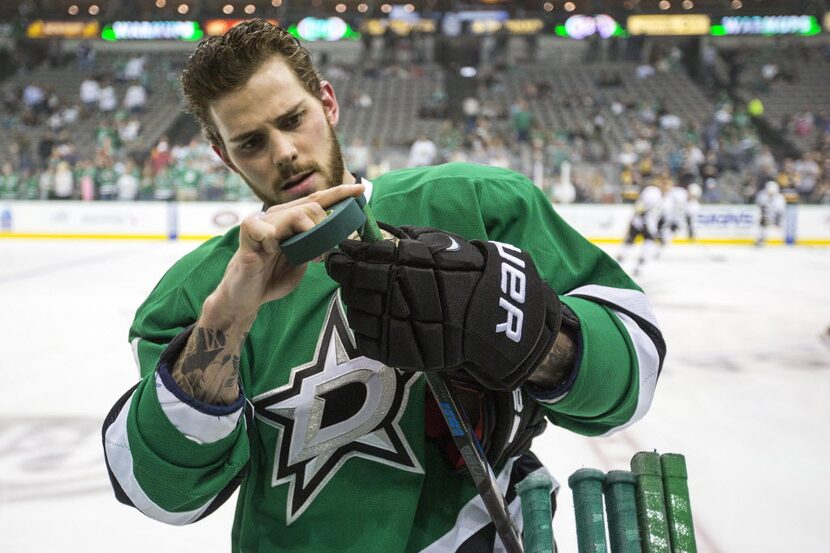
772, 205
648, 210
675, 210
303, 384
692, 209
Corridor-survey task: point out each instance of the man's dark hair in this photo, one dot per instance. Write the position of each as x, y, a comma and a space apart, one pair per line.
222, 64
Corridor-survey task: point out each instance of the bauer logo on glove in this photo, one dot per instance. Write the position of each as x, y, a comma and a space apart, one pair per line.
435, 301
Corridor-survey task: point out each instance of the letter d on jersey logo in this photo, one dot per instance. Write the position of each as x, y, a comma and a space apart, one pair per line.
513, 283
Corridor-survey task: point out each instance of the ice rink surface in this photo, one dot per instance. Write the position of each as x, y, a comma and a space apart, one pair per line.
743, 395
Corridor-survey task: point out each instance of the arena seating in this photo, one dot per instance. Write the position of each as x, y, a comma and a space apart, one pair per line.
162, 105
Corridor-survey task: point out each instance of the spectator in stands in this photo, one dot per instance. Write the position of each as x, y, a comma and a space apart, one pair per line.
44, 147
147, 182
423, 152
107, 140
134, 68
755, 108
135, 98
9, 181
106, 179
35, 99
357, 155
522, 119
45, 183
803, 124
85, 54
129, 130
20, 152
644, 71
107, 100
63, 182
160, 155
770, 72
90, 94
808, 172
187, 179
85, 179
127, 182
470, 108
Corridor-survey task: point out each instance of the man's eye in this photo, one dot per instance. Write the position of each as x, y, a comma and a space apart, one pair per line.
294, 121
250, 144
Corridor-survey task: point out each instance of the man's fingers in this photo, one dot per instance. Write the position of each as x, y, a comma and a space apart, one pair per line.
325, 198
265, 231
255, 234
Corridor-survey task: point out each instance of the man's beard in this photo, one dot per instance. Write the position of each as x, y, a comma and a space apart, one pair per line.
332, 173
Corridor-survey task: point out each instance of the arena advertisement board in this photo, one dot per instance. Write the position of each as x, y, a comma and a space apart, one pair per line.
827, 22
401, 27
601, 223
152, 30
669, 25
41, 219
812, 225
512, 26
201, 220
63, 29
736, 224
768, 25
218, 27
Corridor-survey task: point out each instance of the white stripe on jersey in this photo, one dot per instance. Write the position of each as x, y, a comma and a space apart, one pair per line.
473, 516
120, 459
197, 426
648, 356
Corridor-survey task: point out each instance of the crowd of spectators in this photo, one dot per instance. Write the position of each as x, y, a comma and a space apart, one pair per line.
576, 162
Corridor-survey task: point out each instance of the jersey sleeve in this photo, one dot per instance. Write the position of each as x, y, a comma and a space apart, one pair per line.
621, 349
174, 458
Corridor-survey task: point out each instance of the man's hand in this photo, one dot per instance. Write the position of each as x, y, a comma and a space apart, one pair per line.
258, 272
208, 368
435, 301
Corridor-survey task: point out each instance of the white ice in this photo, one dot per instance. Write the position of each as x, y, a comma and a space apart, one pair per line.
743, 395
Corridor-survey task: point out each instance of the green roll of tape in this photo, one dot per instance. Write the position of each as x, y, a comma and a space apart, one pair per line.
621, 508
537, 517
678, 507
343, 219
590, 521
651, 504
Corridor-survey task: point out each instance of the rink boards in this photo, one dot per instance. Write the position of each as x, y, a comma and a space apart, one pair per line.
714, 224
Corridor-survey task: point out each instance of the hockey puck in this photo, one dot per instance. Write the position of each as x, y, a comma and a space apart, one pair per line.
342, 219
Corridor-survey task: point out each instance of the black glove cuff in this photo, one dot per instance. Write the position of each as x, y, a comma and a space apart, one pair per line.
553, 323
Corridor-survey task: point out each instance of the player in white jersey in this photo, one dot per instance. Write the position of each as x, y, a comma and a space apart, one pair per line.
692, 208
772, 204
675, 202
647, 212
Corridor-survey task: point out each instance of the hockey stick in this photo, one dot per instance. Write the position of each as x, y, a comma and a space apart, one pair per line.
477, 465
463, 436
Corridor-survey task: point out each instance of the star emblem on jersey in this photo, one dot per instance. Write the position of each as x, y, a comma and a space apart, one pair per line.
338, 406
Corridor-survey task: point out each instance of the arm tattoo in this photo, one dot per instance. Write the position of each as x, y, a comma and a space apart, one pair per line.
208, 368
557, 365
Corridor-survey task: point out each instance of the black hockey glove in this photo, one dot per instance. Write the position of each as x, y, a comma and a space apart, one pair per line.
435, 301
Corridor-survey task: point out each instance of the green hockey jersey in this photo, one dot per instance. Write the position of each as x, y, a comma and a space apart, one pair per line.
329, 447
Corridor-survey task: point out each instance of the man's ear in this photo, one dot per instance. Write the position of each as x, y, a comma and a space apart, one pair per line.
329, 100
223, 156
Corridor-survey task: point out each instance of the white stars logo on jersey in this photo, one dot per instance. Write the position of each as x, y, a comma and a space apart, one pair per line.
338, 406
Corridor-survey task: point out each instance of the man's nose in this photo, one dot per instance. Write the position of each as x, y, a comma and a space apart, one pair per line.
283, 151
